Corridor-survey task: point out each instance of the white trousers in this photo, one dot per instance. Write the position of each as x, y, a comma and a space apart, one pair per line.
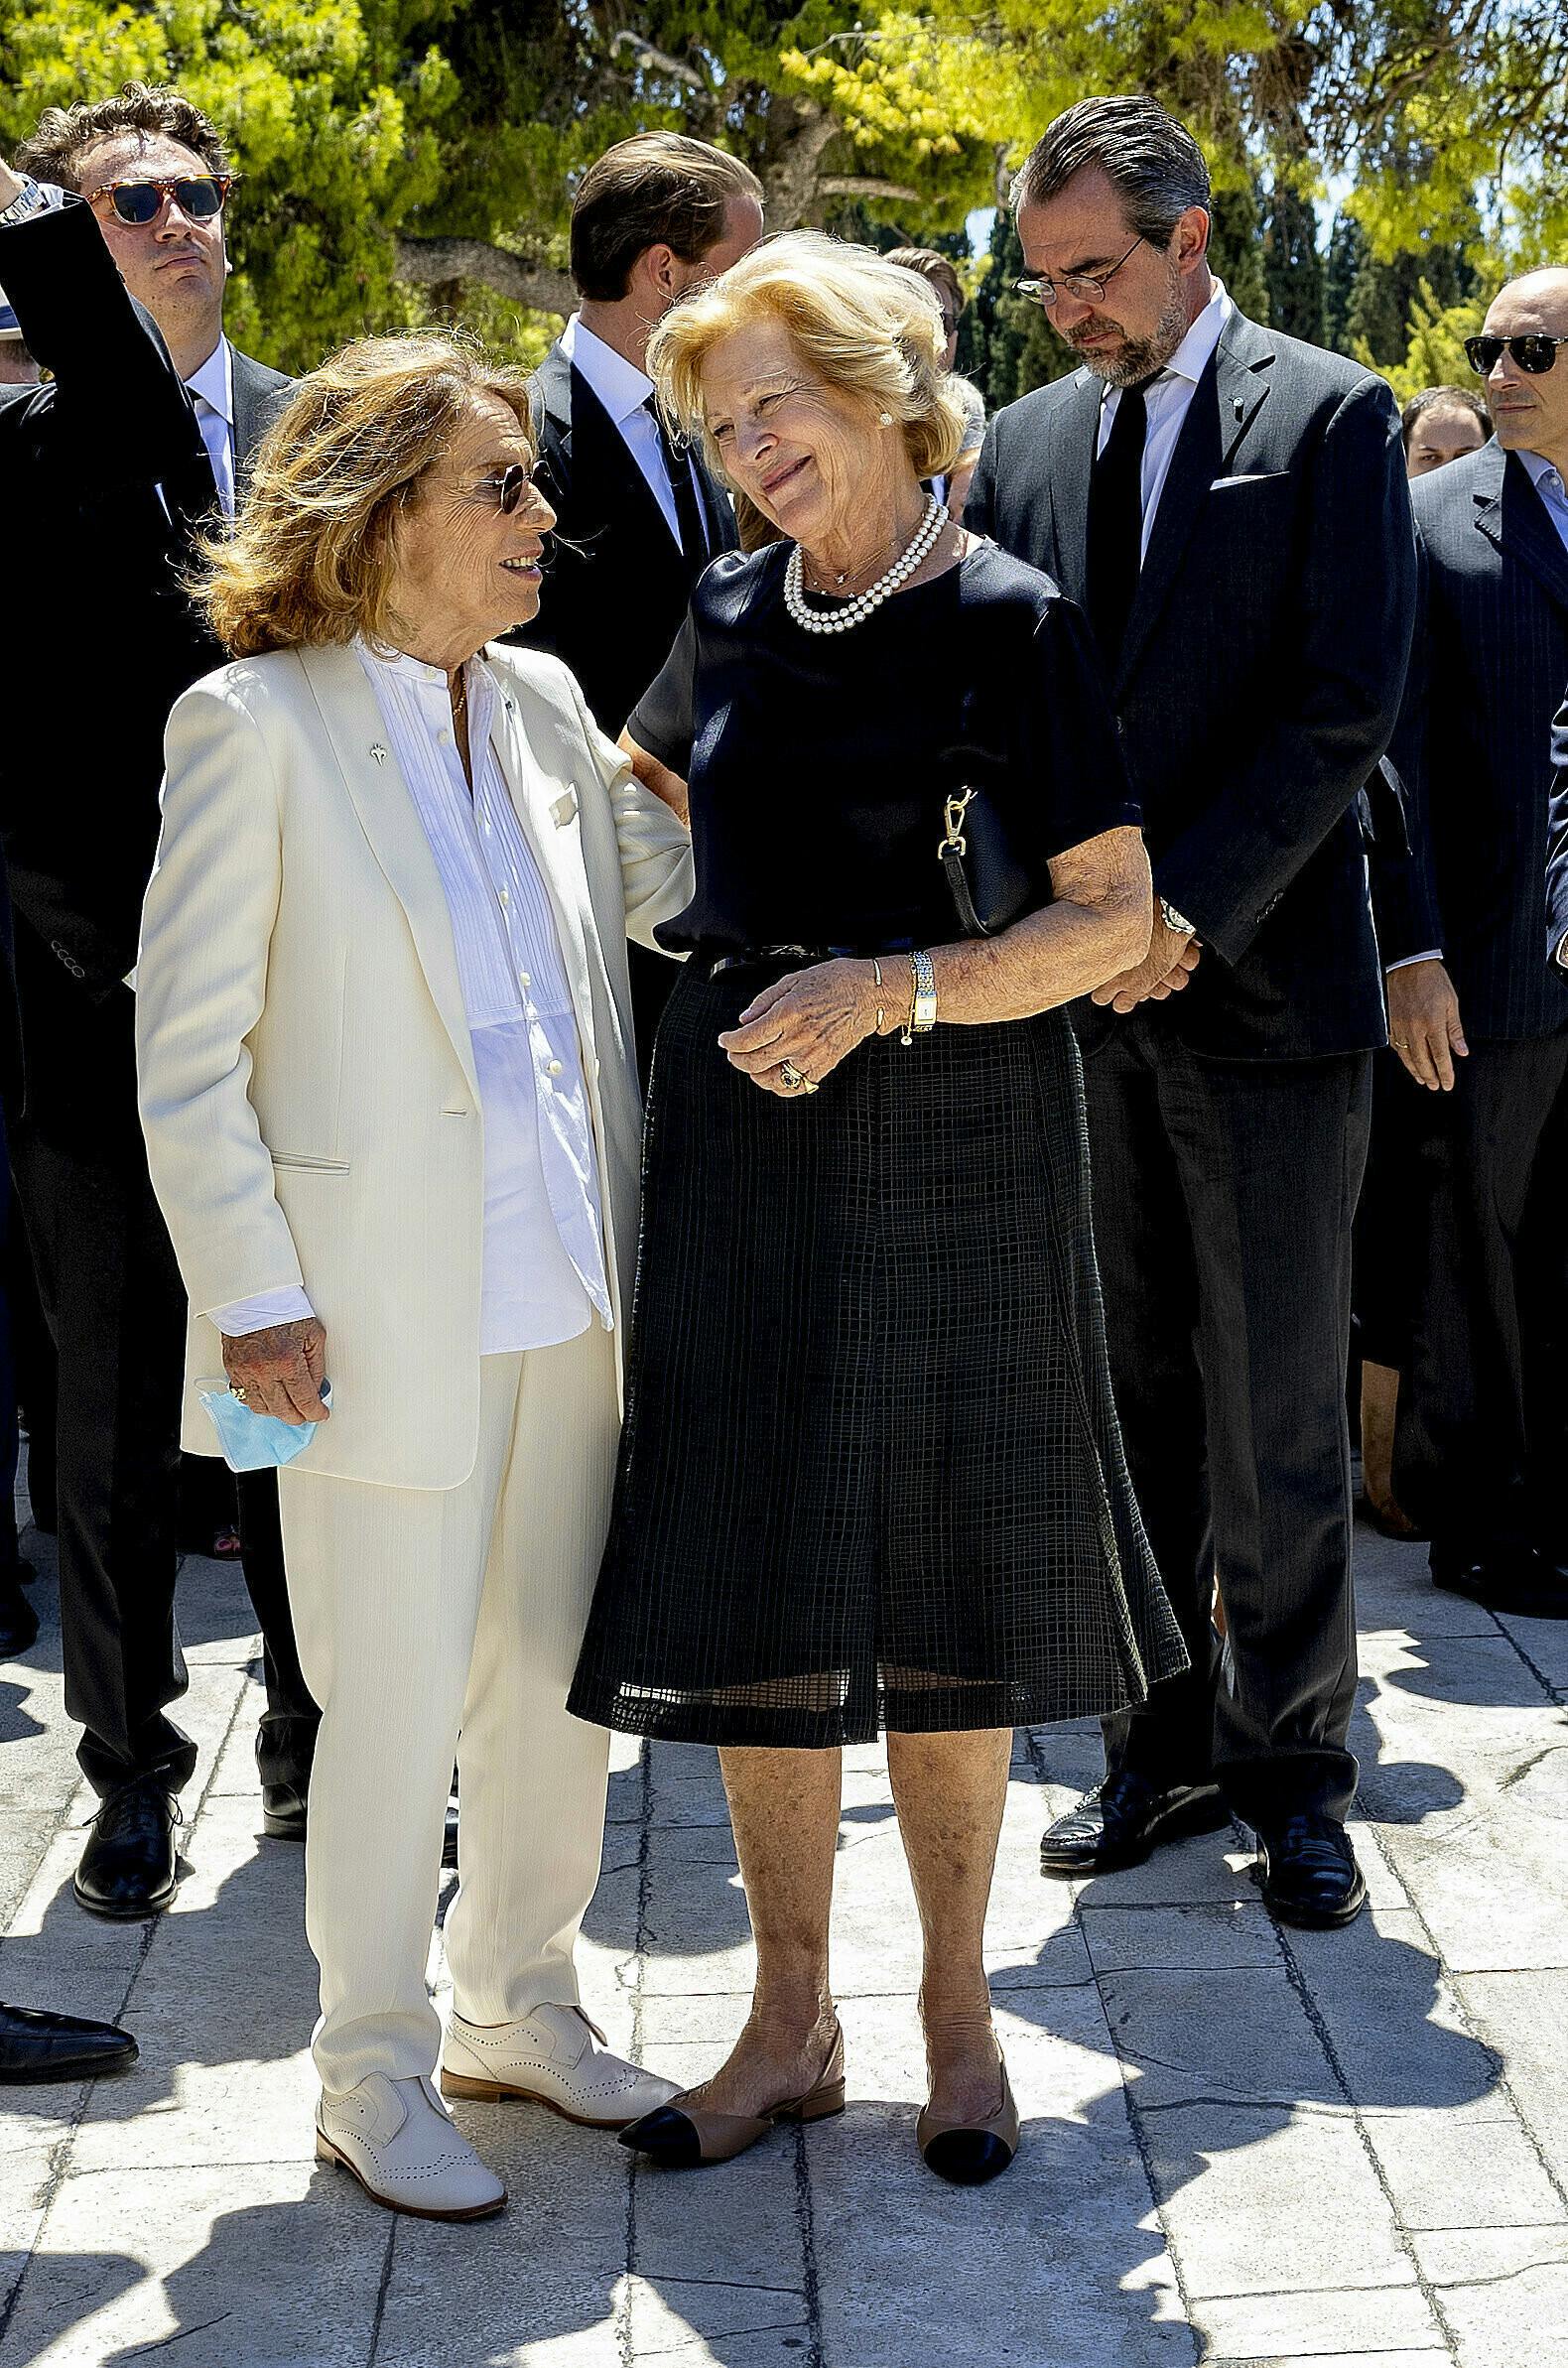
436, 1624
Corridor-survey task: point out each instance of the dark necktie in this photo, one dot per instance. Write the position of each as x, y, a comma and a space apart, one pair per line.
688, 509
1115, 523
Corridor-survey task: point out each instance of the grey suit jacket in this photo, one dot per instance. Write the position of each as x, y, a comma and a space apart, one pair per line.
1260, 674
1474, 745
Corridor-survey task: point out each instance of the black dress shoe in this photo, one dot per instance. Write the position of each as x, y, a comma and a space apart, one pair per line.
1307, 1872
283, 1811
1512, 1579
18, 1620
130, 1866
34, 2046
1121, 1824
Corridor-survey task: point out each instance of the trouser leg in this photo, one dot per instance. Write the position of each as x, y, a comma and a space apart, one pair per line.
1461, 1446
531, 1834
1544, 1297
286, 1738
385, 1585
116, 1311
1144, 1249
1269, 1156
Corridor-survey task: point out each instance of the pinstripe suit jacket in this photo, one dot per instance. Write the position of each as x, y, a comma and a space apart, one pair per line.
1474, 744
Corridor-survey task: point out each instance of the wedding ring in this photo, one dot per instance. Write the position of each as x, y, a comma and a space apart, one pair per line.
1400, 1043
795, 1078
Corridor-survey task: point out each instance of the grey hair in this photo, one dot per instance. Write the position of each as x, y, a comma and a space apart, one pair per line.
1150, 158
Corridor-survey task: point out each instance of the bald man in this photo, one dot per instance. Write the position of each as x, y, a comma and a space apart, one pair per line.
1478, 1012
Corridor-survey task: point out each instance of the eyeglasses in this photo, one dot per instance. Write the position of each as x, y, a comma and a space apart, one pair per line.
199, 195
1080, 284
510, 491
1532, 353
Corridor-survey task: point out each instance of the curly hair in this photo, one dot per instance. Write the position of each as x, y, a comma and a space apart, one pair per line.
154, 109
312, 556
864, 325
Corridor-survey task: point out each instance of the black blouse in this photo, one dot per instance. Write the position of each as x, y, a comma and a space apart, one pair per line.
819, 763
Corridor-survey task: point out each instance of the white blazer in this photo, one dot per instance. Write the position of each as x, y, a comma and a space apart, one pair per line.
308, 1088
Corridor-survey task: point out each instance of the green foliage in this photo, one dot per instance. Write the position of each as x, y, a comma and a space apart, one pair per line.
366, 127
1434, 344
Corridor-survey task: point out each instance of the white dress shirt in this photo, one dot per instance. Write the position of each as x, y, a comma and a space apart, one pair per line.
1547, 478
1168, 400
544, 1267
623, 390
212, 389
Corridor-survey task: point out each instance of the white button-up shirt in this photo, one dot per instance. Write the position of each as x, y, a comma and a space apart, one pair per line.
1167, 402
545, 1272
623, 390
212, 389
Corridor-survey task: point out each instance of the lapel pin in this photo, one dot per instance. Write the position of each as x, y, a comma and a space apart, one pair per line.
378, 752
1240, 406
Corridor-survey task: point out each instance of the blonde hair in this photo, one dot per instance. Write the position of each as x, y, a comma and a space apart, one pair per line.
866, 327
312, 556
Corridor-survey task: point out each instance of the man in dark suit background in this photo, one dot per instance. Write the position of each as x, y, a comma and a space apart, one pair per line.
1476, 1009
105, 477
638, 513
1229, 507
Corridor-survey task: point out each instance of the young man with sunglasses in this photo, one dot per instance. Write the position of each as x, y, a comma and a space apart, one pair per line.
1477, 1009
106, 476
1229, 507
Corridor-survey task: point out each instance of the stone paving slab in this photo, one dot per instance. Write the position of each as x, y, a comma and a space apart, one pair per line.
1243, 2147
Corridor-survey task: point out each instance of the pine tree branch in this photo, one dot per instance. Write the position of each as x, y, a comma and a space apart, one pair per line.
426, 262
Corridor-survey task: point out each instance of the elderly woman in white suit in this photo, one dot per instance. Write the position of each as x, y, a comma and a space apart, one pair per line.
391, 1106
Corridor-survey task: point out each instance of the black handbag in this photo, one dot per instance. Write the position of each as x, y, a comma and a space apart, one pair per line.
992, 883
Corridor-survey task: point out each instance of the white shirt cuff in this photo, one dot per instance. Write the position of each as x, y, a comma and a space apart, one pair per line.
1406, 959
288, 1306
1562, 951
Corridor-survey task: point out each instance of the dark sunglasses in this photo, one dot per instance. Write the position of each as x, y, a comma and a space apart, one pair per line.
1532, 353
510, 490
199, 195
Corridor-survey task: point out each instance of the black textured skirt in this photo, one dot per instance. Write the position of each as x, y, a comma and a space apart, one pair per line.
871, 1473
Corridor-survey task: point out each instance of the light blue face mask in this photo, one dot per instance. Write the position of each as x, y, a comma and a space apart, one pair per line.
251, 1442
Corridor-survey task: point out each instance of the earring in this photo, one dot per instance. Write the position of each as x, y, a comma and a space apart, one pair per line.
886, 418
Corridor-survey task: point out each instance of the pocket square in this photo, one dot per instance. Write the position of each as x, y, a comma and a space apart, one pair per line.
564, 810
1261, 476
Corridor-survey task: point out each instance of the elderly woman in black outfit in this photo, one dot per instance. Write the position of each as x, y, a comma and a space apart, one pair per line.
870, 1472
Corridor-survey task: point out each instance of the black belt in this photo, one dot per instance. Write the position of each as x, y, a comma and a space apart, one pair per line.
757, 956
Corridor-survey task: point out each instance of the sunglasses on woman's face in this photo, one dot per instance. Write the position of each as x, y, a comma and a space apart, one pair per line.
1532, 353
199, 195
513, 490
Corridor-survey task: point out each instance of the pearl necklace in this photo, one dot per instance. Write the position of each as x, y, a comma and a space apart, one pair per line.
848, 613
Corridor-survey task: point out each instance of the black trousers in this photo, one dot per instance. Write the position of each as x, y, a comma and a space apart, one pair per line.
115, 1308
1224, 1197
1481, 1444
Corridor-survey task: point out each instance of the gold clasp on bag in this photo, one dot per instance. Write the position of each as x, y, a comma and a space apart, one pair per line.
953, 814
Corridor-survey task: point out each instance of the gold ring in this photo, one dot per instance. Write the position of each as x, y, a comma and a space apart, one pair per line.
1400, 1043
795, 1078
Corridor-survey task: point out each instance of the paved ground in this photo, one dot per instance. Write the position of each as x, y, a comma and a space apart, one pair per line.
1242, 2145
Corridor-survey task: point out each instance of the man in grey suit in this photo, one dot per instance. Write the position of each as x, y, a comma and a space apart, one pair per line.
1229, 507
1477, 1011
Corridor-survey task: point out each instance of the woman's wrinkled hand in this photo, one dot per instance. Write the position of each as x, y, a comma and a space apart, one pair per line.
812, 1020
280, 1370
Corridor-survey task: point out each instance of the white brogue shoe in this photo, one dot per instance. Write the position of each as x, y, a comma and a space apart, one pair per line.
557, 2057
397, 2137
